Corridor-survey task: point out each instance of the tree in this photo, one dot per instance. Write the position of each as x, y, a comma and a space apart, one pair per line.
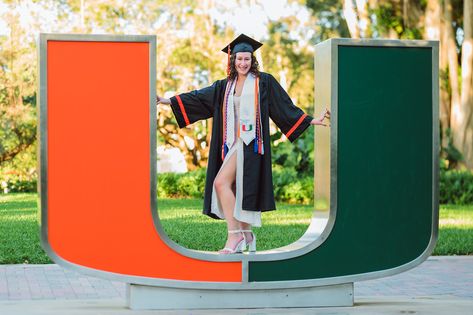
456, 104
190, 62
446, 21
291, 61
17, 92
329, 19
463, 119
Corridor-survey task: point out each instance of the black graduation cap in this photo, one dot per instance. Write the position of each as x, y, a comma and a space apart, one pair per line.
242, 43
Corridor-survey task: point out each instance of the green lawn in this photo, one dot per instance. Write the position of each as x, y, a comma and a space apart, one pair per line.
183, 222
456, 230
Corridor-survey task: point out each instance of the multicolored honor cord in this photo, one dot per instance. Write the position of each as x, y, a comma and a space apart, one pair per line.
258, 146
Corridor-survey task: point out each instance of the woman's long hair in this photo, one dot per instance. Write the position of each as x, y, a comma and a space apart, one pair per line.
253, 68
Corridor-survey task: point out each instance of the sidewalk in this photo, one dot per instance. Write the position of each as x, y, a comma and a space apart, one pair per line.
441, 285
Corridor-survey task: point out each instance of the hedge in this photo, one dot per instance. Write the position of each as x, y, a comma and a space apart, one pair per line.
456, 187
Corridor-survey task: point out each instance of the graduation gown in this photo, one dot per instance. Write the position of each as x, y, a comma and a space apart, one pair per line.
275, 103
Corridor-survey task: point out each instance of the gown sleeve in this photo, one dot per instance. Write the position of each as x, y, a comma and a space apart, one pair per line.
288, 117
195, 105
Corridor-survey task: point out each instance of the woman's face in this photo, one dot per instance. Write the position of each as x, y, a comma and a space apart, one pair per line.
243, 62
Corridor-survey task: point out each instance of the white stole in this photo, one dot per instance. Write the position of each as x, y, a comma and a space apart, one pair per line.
247, 112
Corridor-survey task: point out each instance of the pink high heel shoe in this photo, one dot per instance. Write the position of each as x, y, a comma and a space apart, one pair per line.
239, 247
252, 244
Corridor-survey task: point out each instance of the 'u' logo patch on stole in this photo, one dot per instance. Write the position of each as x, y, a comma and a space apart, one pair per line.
247, 127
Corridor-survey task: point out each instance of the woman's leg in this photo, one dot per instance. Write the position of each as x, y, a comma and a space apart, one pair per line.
223, 186
247, 227
243, 225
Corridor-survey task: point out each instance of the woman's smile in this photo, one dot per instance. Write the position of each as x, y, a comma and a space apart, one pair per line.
243, 62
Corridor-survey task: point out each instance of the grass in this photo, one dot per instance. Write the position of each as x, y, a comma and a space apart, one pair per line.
19, 230
456, 230
183, 222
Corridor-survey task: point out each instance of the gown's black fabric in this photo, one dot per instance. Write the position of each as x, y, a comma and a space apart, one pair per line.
205, 103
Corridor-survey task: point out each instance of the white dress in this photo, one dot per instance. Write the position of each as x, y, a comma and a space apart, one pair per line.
250, 217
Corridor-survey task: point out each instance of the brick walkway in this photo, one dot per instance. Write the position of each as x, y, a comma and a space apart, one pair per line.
436, 277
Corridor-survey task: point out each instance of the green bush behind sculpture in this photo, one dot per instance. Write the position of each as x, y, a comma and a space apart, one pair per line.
190, 184
16, 184
288, 186
456, 187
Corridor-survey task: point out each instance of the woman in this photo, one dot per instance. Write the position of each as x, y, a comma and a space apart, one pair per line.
239, 178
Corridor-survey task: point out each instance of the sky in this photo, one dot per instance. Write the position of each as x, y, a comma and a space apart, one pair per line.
252, 20
248, 19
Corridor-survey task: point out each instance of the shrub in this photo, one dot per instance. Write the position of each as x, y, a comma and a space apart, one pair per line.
282, 177
19, 185
456, 187
289, 186
190, 184
167, 185
15, 181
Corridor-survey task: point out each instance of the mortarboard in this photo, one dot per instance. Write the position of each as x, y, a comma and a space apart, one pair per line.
242, 43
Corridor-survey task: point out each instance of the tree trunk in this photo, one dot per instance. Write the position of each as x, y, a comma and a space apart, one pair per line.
365, 22
445, 97
405, 16
434, 30
464, 137
452, 71
351, 18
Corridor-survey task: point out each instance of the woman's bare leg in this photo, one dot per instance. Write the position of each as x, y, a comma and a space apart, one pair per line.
223, 186
243, 225
247, 227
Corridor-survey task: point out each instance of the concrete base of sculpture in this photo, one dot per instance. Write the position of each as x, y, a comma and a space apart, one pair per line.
141, 297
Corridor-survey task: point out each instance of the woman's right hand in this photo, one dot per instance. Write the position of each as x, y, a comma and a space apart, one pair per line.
162, 100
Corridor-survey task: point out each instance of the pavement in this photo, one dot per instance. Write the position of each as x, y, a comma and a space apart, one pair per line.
440, 285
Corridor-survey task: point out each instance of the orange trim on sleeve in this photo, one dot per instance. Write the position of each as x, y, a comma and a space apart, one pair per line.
296, 125
183, 110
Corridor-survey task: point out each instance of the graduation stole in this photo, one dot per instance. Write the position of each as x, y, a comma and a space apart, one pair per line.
249, 126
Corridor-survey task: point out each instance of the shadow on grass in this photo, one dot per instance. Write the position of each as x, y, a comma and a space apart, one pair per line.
16, 205
10, 214
457, 207
181, 203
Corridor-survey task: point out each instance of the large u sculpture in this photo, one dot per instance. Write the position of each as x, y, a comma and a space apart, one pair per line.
376, 166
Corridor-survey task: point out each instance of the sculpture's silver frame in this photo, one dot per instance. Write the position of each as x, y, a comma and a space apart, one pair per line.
330, 97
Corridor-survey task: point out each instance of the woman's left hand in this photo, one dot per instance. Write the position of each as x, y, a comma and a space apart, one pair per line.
320, 121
